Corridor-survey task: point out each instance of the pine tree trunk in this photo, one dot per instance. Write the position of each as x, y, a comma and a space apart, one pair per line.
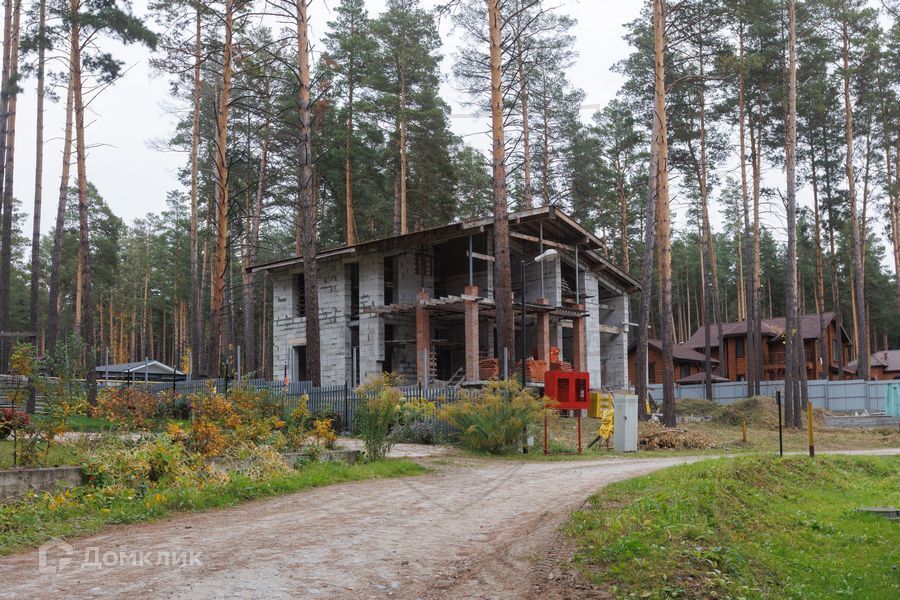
6, 239
251, 244
220, 262
404, 209
196, 321
796, 350
4, 88
855, 242
756, 291
820, 267
307, 203
647, 277
38, 171
348, 153
528, 202
87, 299
750, 288
663, 226
503, 295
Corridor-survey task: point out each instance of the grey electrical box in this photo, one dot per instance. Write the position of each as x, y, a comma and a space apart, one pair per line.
625, 434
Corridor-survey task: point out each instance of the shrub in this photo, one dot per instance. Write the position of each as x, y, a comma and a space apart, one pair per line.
417, 432
245, 417
323, 432
416, 421
11, 420
493, 421
128, 407
377, 415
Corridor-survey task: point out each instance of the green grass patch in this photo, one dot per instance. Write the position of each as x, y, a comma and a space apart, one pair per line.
751, 527
84, 423
86, 510
58, 454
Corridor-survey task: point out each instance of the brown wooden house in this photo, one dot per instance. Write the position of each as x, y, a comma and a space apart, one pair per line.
688, 362
819, 365
883, 366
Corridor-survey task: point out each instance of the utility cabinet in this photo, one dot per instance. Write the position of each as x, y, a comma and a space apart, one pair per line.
625, 434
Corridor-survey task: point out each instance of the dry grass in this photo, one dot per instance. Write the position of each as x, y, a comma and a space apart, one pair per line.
653, 436
727, 438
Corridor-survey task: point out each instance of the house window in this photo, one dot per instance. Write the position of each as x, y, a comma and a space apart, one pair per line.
353, 279
299, 370
651, 372
739, 347
685, 371
390, 279
388, 364
300, 296
741, 377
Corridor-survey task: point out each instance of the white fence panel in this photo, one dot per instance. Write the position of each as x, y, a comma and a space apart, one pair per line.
836, 396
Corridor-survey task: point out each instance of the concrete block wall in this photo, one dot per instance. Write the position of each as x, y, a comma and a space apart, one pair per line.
334, 317
590, 293
371, 326
287, 329
410, 278
615, 347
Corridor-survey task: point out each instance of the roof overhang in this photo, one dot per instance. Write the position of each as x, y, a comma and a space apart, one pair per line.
562, 232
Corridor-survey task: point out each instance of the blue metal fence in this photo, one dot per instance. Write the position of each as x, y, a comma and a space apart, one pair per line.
835, 396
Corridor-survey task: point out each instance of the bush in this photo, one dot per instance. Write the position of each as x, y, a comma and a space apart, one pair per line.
494, 420
416, 422
11, 420
128, 407
377, 416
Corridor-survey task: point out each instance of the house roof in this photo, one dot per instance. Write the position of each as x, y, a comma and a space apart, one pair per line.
889, 360
562, 232
701, 378
811, 327
682, 352
152, 366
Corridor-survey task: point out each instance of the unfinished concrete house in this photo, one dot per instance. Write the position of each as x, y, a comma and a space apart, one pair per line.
422, 305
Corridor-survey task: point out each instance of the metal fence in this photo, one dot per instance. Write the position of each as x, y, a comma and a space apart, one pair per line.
338, 401
835, 396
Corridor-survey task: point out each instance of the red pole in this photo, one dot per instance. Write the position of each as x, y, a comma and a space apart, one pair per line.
579, 432
545, 432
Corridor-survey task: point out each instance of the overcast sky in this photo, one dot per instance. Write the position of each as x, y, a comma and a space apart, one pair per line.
125, 120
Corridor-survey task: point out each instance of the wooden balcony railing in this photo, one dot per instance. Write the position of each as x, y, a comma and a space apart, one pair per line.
776, 359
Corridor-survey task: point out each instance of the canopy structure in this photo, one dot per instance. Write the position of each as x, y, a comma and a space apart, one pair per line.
150, 370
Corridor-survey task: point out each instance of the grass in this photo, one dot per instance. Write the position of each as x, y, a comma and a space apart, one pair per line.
751, 527
86, 510
564, 439
59, 454
83, 423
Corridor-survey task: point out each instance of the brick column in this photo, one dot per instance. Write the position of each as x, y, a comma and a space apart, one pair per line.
579, 359
423, 334
471, 334
543, 332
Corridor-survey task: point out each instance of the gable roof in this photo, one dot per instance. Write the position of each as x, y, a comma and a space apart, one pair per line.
811, 327
889, 360
701, 378
682, 352
524, 224
152, 366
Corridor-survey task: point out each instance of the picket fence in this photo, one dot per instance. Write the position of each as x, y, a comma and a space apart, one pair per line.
340, 402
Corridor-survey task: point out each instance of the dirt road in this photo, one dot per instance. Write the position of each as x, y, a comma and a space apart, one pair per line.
471, 529
474, 529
